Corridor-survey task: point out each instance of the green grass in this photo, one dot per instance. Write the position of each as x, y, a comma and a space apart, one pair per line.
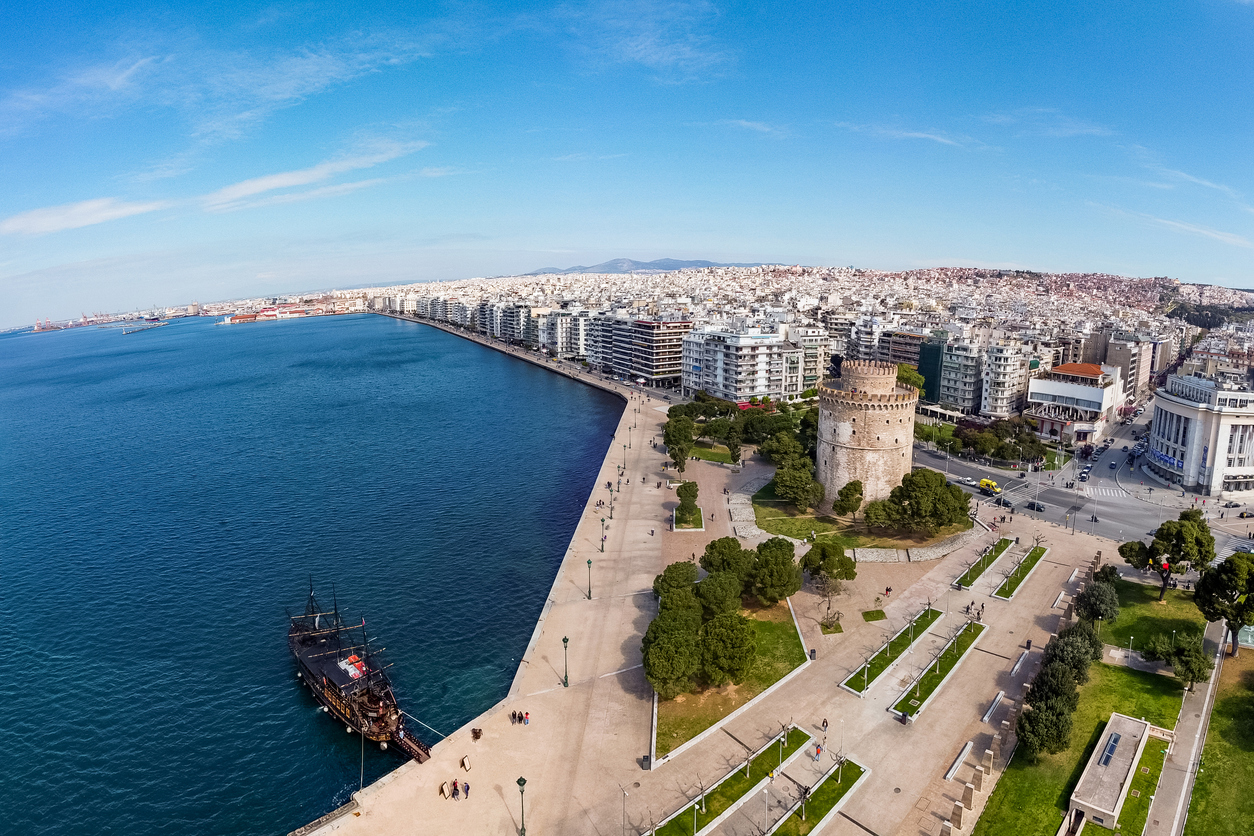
722, 797
779, 651
1055, 460
1141, 617
824, 797
697, 520
1223, 797
833, 630
936, 673
711, 452
1031, 798
873, 615
977, 568
1135, 810
1020, 573
865, 676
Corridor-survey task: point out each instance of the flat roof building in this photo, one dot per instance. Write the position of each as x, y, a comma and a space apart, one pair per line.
1103, 786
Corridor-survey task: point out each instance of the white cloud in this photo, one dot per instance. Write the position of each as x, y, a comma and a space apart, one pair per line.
1205, 232
74, 215
1047, 121
898, 133
670, 38
308, 194
229, 197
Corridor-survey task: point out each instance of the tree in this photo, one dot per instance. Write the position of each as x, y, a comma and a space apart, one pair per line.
808, 432
726, 555
717, 428
1046, 728
683, 604
1083, 632
1177, 546
1107, 574
719, 593
1073, 653
733, 439
848, 499
678, 435
907, 375
827, 588
1191, 663
881, 514
671, 621
1097, 601
925, 501
1224, 593
687, 512
796, 485
828, 557
671, 661
783, 449
681, 575
1053, 683
777, 575
728, 647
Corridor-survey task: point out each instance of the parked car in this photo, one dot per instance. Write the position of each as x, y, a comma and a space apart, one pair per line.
1002, 502
1084, 477
1246, 514
1113, 465
1035, 506
1232, 504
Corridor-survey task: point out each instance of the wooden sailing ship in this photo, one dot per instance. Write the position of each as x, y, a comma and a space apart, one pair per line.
343, 672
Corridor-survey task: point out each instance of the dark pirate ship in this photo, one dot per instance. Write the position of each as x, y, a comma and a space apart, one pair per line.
344, 673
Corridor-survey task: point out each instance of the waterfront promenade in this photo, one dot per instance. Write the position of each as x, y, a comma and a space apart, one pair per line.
581, 754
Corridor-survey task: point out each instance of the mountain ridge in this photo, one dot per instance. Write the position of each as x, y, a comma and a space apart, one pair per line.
627, 265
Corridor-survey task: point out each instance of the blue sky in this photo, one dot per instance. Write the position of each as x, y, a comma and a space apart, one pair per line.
155, 155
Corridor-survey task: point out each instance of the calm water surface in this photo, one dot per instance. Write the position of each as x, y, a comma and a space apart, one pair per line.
164, 495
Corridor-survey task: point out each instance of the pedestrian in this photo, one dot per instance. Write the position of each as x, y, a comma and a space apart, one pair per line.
650, 532
818, 753
527, 718
466, 789
824, 725
455, 791
513, 718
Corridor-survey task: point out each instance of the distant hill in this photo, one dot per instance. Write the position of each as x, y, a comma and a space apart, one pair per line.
627, 265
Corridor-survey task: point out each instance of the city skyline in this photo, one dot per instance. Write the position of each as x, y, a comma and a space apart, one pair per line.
156, 158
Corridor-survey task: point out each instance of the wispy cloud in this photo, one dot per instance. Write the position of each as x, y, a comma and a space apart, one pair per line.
757, 127
671, 38
1229, 238
1150, 161
74, 215
236, 196
583, 156
1046, 121
886, 132
308, 194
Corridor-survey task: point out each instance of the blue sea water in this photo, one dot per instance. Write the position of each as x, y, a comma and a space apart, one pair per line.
165, 495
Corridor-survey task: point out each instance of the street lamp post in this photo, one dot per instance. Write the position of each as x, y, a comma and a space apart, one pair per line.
624, 458
522, 806
565, 662
589, 579
602, 540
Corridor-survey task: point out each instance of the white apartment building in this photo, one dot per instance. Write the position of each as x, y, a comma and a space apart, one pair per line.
962, 376
1005, 379
642, 349
565, 333
1075, 402
1202, 436
816, 353
742, 364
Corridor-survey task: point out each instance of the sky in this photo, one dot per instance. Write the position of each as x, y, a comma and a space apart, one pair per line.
156, 155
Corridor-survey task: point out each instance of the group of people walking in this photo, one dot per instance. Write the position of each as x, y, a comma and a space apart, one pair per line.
520, 717
460, 789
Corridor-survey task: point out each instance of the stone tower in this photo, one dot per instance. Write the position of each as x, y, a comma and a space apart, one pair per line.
866, 429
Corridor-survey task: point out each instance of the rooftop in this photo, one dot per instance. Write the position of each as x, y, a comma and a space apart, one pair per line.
1079, 369
1108, 772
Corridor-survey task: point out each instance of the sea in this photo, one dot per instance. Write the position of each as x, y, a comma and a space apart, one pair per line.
167, 496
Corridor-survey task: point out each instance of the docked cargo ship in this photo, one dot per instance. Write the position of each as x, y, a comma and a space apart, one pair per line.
343, 672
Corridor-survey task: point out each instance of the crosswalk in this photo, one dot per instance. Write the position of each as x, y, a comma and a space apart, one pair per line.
1234, 545
1106, 492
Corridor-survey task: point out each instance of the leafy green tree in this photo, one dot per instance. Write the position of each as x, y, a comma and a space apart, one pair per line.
796, 485
808, 433
1053, 683
678, 436
726, 555
881, 514
1107, 574
717, 428
671, 621
1226, 593
925, 501
681, 575
1178, 545
907, 375
1097, 601
1073, 653
732, 440
1190, 663
1046, 728
828, 557
682, 602
778, 575
848, 499
687, 512
1083, 632
670, 663
719, 593
728, 647
782, 449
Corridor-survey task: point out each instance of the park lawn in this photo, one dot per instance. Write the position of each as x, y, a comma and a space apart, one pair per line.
722, 797
711, 452
907, 540
930, 681
1141, 617
1031, 798
1020, 573
1223, 797
977, 568
873, 615
779, 651
697, 521
1135, 810
833, 630
824, 797
865, 676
